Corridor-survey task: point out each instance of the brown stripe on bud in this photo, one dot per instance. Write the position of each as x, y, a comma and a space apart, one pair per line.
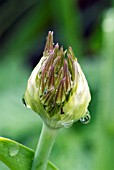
47, 98
49, 42
60, 58
70, 51
57, 60
61, 52
57, 64
60, 95
59, 76
42, 85
49, 61
56, 49
67, 76
51, 77
73, 69
71, 66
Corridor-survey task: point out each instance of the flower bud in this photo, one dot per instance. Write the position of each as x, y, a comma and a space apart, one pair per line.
57, 89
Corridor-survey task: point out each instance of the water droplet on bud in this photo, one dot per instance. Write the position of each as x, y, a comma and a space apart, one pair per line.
86, 119
28, 106
67, 124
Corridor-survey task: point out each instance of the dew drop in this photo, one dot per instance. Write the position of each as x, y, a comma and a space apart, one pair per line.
28, 106
86, 119
13, 150
67, 124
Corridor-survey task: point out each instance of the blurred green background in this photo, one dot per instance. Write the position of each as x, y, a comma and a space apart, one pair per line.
87, 26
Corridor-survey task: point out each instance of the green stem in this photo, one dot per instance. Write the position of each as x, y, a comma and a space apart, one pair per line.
44, 148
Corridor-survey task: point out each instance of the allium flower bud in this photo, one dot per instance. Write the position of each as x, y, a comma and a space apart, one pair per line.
57, 89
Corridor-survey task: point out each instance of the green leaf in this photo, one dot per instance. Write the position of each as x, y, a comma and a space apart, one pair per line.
17, 156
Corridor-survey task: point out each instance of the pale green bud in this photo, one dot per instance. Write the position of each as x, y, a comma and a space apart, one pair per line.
57, 89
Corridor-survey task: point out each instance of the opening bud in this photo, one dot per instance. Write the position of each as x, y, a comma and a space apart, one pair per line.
57, 89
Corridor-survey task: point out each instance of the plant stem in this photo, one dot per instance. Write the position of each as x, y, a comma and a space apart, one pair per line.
44, 147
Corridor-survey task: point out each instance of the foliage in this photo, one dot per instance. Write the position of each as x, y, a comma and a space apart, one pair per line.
17, 156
